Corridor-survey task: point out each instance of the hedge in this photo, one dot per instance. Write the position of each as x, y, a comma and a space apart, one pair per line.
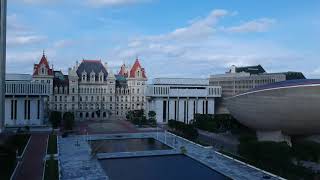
186, 130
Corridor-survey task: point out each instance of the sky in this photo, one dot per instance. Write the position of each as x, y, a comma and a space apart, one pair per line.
172, 38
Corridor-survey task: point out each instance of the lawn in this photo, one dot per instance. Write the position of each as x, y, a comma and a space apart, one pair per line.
51, 170
52, 144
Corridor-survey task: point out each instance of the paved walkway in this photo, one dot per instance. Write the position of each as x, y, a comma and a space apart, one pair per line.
76, 161
32, 164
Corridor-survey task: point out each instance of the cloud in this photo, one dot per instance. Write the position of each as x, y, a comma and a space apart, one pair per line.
62, 43
201, 48
197, 29
20, 34
37, 1
258, 25
114, 3
24, 40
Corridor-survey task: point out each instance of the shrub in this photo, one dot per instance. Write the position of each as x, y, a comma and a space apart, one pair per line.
151, 141
55, 118
306, 150
215, 123
68, 120
152, 118
137, 117
273, 157
183, 150
186, 130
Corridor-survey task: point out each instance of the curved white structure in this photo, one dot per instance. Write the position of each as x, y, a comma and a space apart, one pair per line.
291, 107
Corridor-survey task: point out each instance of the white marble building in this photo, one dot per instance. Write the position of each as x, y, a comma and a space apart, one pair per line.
181, 98
25, 101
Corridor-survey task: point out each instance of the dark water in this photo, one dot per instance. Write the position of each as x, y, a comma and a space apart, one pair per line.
127, 145
170, 167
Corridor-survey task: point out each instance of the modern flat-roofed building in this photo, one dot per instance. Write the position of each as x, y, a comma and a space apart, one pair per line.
25, 101
181, 98
241, 79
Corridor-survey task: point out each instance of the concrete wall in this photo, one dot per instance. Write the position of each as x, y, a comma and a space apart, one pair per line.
21, 121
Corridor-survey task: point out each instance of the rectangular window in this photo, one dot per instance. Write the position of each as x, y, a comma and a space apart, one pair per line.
15, 109
164, 111
184, 111
206, 107
12, 109
194, 108
27, 109
175, 110
168, 109
38, 110
203, 107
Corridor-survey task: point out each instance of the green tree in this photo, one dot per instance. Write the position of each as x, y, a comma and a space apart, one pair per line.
68, 120
55, 118
129, 115
152, 117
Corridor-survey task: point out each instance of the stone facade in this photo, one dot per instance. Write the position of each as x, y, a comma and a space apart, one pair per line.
93, 92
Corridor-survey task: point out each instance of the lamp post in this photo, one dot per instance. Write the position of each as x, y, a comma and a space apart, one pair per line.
3, 17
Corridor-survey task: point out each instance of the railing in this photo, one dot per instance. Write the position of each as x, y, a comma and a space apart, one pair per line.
183, 91
27, 88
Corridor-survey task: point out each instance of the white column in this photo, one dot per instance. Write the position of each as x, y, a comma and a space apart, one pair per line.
181, 110
190, 109
171, 108
211, 106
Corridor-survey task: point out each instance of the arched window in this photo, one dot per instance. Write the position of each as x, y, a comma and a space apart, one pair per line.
92, 114
104, 114
87, 115
81, 115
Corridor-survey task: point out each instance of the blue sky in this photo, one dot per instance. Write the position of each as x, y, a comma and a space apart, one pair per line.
173, 38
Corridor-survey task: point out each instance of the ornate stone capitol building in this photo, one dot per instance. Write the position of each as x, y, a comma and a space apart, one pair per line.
92, 91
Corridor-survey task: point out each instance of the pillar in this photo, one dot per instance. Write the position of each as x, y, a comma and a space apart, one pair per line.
3, 16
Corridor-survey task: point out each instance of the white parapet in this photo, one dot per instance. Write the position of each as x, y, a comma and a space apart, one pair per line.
275, 136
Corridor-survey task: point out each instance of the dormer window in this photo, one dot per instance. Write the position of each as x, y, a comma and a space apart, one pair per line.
43, 70
92, 76
101, 76
84, 76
